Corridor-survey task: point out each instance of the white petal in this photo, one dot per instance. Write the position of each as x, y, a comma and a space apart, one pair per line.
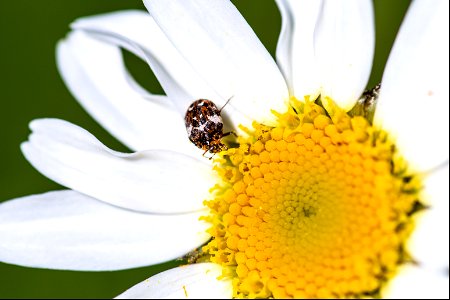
416, 283
137, 32
223, 49
414, 96
197, 281
295, 48
95, 73
344, 44
430, 244
68, 230
158, 181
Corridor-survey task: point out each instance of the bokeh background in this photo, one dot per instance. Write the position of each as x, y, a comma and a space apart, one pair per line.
30, 87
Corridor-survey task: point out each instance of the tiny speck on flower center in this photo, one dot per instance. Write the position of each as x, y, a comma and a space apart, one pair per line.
319, 206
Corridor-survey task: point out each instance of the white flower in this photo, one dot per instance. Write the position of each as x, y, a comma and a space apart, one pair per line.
130, 210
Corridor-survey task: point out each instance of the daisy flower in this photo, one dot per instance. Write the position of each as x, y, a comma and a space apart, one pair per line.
325, 192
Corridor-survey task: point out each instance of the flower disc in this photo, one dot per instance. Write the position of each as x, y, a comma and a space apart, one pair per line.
319, 206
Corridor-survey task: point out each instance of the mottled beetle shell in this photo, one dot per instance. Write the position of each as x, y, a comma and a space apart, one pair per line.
204, 125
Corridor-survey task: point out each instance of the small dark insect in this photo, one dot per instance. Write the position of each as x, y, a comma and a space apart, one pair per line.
204, 125
366, 104
193, 256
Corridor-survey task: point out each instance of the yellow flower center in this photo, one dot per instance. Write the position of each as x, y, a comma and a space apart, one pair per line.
318, 206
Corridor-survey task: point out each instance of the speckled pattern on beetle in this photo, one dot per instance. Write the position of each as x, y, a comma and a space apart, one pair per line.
204, 126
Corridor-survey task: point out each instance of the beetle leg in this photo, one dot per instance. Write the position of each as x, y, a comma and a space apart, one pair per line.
228, 133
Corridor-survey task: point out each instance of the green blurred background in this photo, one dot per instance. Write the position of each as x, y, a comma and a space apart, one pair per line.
30, 87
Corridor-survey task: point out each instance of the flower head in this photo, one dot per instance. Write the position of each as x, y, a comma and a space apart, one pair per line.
317, 196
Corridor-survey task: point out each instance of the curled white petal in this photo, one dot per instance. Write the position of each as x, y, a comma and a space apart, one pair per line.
157, 181
95, 73
344, 41
137, 32
197, 281
295, 48
220, 45
414, 97
71, 231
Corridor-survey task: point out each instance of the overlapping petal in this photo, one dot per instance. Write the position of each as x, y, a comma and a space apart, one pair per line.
326, 47
197, 281
94, 71
295, 48
414, 97
158, 181
137, 32
344, 42
226, 53
71, 231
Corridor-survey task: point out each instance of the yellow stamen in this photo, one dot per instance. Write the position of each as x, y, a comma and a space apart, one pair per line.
319, 206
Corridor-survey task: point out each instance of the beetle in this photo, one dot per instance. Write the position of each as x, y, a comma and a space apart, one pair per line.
204, 125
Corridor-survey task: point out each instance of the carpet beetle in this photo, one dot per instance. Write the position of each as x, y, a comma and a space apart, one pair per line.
204, 125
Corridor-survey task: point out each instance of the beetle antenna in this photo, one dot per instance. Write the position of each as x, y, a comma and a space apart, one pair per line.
220, 110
